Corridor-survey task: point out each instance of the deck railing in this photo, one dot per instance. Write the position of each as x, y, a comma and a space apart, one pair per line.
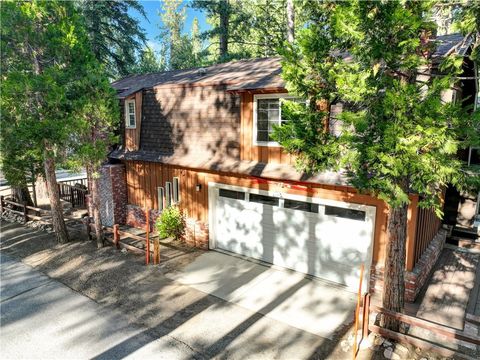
428, 225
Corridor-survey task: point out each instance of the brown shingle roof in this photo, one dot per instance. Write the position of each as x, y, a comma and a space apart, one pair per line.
228, 165
250, 74
258, 72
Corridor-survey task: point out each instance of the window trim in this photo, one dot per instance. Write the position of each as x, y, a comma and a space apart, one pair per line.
168, 194
266, 96
161, 192
176, 190
470, 148
127, 114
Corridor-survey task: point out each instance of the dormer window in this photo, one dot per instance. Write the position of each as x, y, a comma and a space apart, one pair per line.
130, 119
267, 112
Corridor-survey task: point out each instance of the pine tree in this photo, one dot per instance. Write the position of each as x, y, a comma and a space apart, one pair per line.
149, 62
398, 137
115, 36
50, 75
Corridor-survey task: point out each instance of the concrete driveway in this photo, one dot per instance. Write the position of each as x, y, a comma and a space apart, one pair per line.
286, 296
44, 319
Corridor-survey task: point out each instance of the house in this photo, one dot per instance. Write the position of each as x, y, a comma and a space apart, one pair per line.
199, 138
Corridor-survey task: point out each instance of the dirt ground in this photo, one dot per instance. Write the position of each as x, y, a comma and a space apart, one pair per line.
120, 280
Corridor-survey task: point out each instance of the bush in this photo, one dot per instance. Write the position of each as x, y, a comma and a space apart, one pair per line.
171, 223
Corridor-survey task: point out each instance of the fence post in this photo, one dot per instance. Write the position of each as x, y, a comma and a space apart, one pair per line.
366, 314
147, 244
25, 212
116, 237
72, 197
87, 225
1, 205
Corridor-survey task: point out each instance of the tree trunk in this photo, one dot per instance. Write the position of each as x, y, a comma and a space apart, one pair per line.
393, 277
54, 197
224, 23
34, 190
95, 198
21, 194
290, 21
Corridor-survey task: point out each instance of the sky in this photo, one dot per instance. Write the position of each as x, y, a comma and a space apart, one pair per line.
151, 26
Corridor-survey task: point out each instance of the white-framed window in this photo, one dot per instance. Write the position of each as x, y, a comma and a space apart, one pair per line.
176, 190
130, 118
267, 112
160, 198
168, 194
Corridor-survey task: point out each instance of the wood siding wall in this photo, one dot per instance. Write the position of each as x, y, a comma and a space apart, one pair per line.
143, 178
248, 151
132, 136
428, 225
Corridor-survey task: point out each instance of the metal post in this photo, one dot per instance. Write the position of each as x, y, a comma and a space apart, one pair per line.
1, 205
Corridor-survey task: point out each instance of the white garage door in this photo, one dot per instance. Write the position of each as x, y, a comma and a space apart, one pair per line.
324, 238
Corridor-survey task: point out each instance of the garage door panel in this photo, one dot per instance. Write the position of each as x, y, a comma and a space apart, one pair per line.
307, 238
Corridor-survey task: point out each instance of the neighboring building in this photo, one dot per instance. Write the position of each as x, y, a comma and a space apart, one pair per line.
200, 138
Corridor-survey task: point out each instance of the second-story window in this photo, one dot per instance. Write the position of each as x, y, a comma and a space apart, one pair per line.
267, 112
130, 119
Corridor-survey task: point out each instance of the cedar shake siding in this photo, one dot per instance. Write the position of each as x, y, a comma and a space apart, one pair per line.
191, 121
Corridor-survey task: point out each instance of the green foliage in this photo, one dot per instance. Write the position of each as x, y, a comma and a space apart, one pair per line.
171, 223
181, 51
398, 136
149, 62
115, 36
54, 91
254, 28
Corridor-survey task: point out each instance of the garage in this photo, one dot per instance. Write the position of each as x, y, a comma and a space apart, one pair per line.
324, 238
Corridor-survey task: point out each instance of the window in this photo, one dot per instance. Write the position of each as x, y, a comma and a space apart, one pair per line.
176, 190
130, 119
168, 194
238, 195
262, 199
300, 205
267, 113
160, 198
474, 156
345, 213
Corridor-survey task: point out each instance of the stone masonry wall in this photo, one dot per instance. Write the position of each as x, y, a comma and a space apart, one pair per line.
415, 279
113, 194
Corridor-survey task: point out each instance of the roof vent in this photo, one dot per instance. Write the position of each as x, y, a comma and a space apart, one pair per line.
202, 72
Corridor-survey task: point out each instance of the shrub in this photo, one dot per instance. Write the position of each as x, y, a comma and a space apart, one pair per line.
171, 223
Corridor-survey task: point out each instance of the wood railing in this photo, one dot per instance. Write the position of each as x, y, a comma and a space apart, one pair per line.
428, 225
74, 182
75, 195
433, 327
21, 209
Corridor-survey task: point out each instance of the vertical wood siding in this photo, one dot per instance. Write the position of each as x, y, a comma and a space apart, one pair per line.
428, 225
250, 152
132, 136
143, 179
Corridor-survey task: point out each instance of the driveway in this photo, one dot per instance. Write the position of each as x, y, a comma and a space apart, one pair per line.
290, 297
43, 319
134, 310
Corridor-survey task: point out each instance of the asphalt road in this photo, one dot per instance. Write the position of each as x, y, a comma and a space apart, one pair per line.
43, 319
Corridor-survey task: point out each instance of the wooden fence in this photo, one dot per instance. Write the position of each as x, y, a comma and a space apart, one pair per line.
445, 331
75, 195
21, 209
428, 225
75, 182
